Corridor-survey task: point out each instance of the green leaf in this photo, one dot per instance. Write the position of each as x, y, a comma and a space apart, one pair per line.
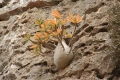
42, 30
64, 32
38, 21
27, 36
41, 20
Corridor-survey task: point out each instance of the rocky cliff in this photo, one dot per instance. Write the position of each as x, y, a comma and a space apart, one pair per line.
95, 58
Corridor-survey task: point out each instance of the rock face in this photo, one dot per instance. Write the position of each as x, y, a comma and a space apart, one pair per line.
94, 59
15, 7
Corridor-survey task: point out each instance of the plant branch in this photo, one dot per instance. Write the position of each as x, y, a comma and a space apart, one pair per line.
72, 37
59, 38
62, 32
60, 42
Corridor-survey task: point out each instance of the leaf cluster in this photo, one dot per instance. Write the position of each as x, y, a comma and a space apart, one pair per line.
52, 29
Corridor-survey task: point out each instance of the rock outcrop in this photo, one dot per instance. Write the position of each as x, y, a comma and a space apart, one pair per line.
15, 7
94, 58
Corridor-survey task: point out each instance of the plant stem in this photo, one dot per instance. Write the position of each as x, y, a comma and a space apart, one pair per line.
40, 46
59, 38
72, 37
75, 28
62, 31
60, 42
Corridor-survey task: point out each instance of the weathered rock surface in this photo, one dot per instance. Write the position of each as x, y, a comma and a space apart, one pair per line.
93, 60
15, 7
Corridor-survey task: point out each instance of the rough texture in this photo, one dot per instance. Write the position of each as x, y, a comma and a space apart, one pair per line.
92, 43
19, 6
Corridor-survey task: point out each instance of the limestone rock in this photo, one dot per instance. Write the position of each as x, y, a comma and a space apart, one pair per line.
94, 58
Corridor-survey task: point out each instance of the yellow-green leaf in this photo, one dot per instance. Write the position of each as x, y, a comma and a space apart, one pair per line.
69, 35
64, 32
